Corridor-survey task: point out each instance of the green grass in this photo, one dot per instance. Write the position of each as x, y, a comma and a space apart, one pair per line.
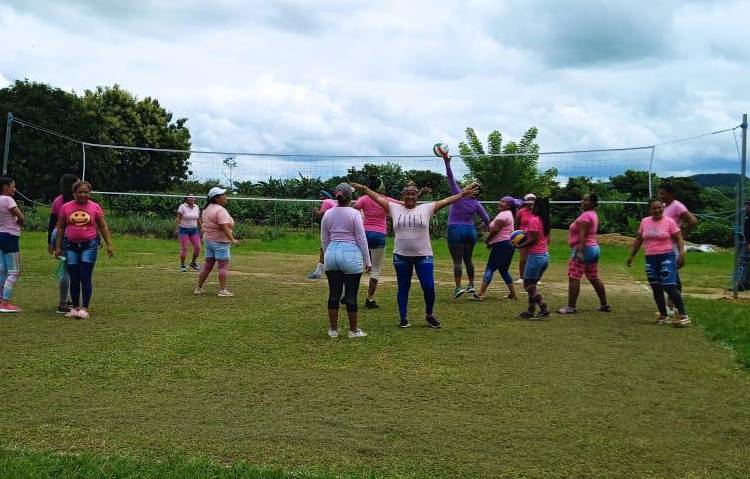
159, 383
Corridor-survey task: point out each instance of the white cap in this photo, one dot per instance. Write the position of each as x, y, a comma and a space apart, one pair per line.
215, 191
529, 197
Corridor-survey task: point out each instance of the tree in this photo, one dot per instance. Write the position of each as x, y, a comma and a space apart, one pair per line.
515, 174
634, 184
106, 115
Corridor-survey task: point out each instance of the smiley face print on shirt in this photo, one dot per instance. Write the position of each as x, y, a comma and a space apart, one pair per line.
79, 218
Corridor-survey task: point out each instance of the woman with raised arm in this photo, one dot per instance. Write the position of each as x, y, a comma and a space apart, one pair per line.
462, 232
412, 249
537, 257
656, 234
584, 255
79, 226
501, 249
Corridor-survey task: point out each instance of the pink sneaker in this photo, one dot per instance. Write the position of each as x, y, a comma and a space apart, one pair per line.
73, 313
9, 307
83, 314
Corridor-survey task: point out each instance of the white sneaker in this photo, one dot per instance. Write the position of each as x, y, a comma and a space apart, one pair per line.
681, 320
357, 334
519, 281
333, 333
199, 291
225, 293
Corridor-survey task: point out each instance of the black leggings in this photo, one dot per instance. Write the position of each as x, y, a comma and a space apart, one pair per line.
338, 281
672, 292
462, 253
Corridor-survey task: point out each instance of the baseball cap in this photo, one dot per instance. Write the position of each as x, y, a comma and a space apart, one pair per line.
326, 194
529, 198
215, 191
344, 190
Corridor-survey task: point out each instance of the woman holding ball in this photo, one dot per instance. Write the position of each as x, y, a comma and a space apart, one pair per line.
412, 249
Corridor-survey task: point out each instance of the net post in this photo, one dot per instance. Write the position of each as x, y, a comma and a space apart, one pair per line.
83, 168
738, 243
6, 152
650, 172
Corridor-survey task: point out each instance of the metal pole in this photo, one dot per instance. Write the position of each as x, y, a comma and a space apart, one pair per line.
83, 169
650, 172
740, 209
7, 143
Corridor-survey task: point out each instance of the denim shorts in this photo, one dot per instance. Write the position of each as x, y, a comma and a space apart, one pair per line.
218, 250
462, 234
536, 265
590, 254
8, 243
187, 231
661, 269
81, 252
344, 257
375, 239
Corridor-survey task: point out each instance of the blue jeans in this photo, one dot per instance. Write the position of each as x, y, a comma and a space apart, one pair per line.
536, 265
404, 266
375, 239
218, 250
187, 231
501, 254
462, 234
344, 257
80, 260
590, 254
661, 269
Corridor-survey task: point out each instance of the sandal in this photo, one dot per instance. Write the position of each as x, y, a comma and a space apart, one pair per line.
567, 310
605, 309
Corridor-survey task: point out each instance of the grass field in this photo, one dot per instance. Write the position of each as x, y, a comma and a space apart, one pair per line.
159, 383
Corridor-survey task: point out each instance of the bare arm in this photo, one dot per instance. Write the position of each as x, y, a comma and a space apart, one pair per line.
104, 229
177, 225
226, 228
677, 238
531, 238
468, 191
689, 220
379, 199
583, 232
637, 242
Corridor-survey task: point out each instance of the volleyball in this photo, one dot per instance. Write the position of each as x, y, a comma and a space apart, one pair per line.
517, 237
440, 150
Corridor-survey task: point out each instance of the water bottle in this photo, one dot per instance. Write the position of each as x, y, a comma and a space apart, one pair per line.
60, 269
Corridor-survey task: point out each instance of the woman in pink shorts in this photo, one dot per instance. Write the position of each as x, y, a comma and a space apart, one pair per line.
188, 231
584, 255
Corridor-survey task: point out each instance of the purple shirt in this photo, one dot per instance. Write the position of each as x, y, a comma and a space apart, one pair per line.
462, 212
344, 224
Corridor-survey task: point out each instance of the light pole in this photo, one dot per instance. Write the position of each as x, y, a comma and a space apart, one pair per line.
230, 163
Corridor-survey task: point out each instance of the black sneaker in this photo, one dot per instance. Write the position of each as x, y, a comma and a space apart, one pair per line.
371, 304
543, 314
434, 323
404, 323
525, 315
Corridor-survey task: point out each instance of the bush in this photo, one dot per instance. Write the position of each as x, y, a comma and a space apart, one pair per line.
716, 232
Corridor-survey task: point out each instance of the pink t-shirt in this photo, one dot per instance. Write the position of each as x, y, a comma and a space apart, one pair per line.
189, 218
675, 210
57, 204
327, 204
8, 222
523, 215
80, 220
412, 229
657, 235
345, 225
535, 225
592, 220
375, 216
505, 219
213, 217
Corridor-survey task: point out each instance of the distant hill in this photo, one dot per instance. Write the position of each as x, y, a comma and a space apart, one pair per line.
716, 180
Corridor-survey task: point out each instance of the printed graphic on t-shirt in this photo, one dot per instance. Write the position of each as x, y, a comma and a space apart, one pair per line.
412, 221
79, 218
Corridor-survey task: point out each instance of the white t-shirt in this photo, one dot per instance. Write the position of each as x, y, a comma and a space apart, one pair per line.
8, 221
190, 215
412, 229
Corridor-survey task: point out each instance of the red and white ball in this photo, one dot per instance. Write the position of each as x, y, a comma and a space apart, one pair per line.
440, 150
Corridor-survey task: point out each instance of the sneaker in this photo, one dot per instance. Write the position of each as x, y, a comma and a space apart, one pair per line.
195, 267
432, 322
357, 334
225, 293
404, 323
333, 333
671, 312
543, 313
73, 313
681, 320
458, 292
371, 304
476, 297
567, 310
83, 314
62, 309
9, 308
525, 315
519, 281
183, 268
512, 296
471, 289
314, 275
199, 291
605, 309
662, 320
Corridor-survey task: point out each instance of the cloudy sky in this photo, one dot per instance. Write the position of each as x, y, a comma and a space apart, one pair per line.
393, 77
